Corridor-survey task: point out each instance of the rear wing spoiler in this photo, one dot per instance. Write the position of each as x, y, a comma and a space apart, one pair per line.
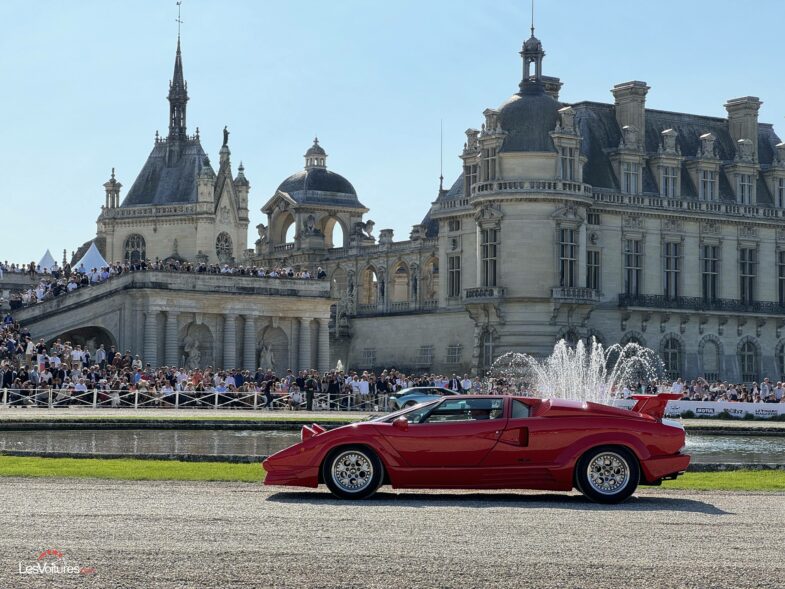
654, 405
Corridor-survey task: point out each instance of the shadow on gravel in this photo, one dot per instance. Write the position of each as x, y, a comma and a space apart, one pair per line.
486, 500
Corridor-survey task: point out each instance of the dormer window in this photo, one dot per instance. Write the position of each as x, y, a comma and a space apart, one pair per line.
668, 178
469, 178
630, 177
780, 193
567, 157
708, 185
744, 188
489, 163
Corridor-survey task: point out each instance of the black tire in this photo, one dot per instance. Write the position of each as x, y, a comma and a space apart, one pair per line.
409, 404
363, 471
607, 474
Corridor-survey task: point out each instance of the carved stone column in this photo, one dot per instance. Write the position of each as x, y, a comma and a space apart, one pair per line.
324, 345
305, 344
249, 343
151, 338
230, 341
170, 342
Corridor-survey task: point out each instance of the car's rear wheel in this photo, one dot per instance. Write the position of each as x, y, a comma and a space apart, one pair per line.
409, 404
352, 472
608, 474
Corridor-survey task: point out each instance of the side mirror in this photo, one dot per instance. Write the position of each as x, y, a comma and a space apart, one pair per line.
401, 423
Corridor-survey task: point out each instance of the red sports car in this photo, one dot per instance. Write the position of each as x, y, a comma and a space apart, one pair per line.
492, 442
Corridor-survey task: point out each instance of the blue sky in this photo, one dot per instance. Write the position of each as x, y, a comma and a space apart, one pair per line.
84, 86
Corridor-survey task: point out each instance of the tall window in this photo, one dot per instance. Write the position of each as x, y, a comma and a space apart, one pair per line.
671, 357
668, 181
592, 218
781, 277
470, 178
630, 177
135, 248
567, 163
672, 269
453, 225
425, 356
454, 353
633, 266
489, 163
223, 247
488, 252
745, 188
781, 192
711, 361
710, 265
488, 350
453, 276
747, 263
708, 185
593, 269
568, 256
369, 357
748, 358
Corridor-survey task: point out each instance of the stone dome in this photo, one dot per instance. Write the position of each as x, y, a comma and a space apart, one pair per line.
528, 118
317, 179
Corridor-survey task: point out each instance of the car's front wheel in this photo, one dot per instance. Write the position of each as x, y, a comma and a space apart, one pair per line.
608, 474
352, 472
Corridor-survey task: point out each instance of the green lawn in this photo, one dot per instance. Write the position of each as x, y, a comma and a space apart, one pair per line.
173, 470
737, 480
129, 469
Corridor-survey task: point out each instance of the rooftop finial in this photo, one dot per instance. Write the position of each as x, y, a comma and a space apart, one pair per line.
441, 155
179, 21
112, 173
532, 17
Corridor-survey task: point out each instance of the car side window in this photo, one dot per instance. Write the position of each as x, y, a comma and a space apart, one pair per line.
519, 409
452, 410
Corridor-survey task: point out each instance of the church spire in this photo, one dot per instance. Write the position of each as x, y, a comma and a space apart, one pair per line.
178, 97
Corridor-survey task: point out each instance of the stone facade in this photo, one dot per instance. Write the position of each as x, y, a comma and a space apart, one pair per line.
578, 220
195, 320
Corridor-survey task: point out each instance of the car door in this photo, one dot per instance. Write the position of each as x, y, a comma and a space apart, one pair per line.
457, 432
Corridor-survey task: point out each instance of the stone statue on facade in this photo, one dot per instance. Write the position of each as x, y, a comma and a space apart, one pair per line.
193, 356
226, 136
267, 358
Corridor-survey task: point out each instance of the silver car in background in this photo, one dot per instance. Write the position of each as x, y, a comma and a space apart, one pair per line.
416, 395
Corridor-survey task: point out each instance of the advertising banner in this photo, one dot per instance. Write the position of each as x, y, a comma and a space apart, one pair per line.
714, 408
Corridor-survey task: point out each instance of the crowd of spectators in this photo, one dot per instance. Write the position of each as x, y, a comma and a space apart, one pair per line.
57, 281
64, 374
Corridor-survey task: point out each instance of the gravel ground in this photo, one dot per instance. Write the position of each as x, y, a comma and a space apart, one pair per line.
177, 534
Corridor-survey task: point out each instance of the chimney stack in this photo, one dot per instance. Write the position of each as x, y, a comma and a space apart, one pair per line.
630, 102
743, 120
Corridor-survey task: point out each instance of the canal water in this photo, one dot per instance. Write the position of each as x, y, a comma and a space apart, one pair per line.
721, 449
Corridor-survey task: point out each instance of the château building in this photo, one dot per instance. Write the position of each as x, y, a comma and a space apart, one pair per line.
569, 220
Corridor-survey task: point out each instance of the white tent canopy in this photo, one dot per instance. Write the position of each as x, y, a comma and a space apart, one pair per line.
91, 259
47, 262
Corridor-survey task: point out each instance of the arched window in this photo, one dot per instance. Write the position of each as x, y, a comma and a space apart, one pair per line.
711, 361
135, 249
671, 356
748, 358
223, 247
781, 360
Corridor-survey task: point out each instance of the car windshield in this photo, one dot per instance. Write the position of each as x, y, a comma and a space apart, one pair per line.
413, 414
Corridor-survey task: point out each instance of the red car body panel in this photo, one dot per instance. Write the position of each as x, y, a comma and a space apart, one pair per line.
535, 452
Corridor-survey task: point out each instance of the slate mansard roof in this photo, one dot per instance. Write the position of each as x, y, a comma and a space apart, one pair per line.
601, 134
159, 184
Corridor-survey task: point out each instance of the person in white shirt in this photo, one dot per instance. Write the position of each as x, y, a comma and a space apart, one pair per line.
677, 386
466, 383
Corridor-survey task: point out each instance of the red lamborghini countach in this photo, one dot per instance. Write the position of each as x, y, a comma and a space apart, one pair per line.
492, 442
